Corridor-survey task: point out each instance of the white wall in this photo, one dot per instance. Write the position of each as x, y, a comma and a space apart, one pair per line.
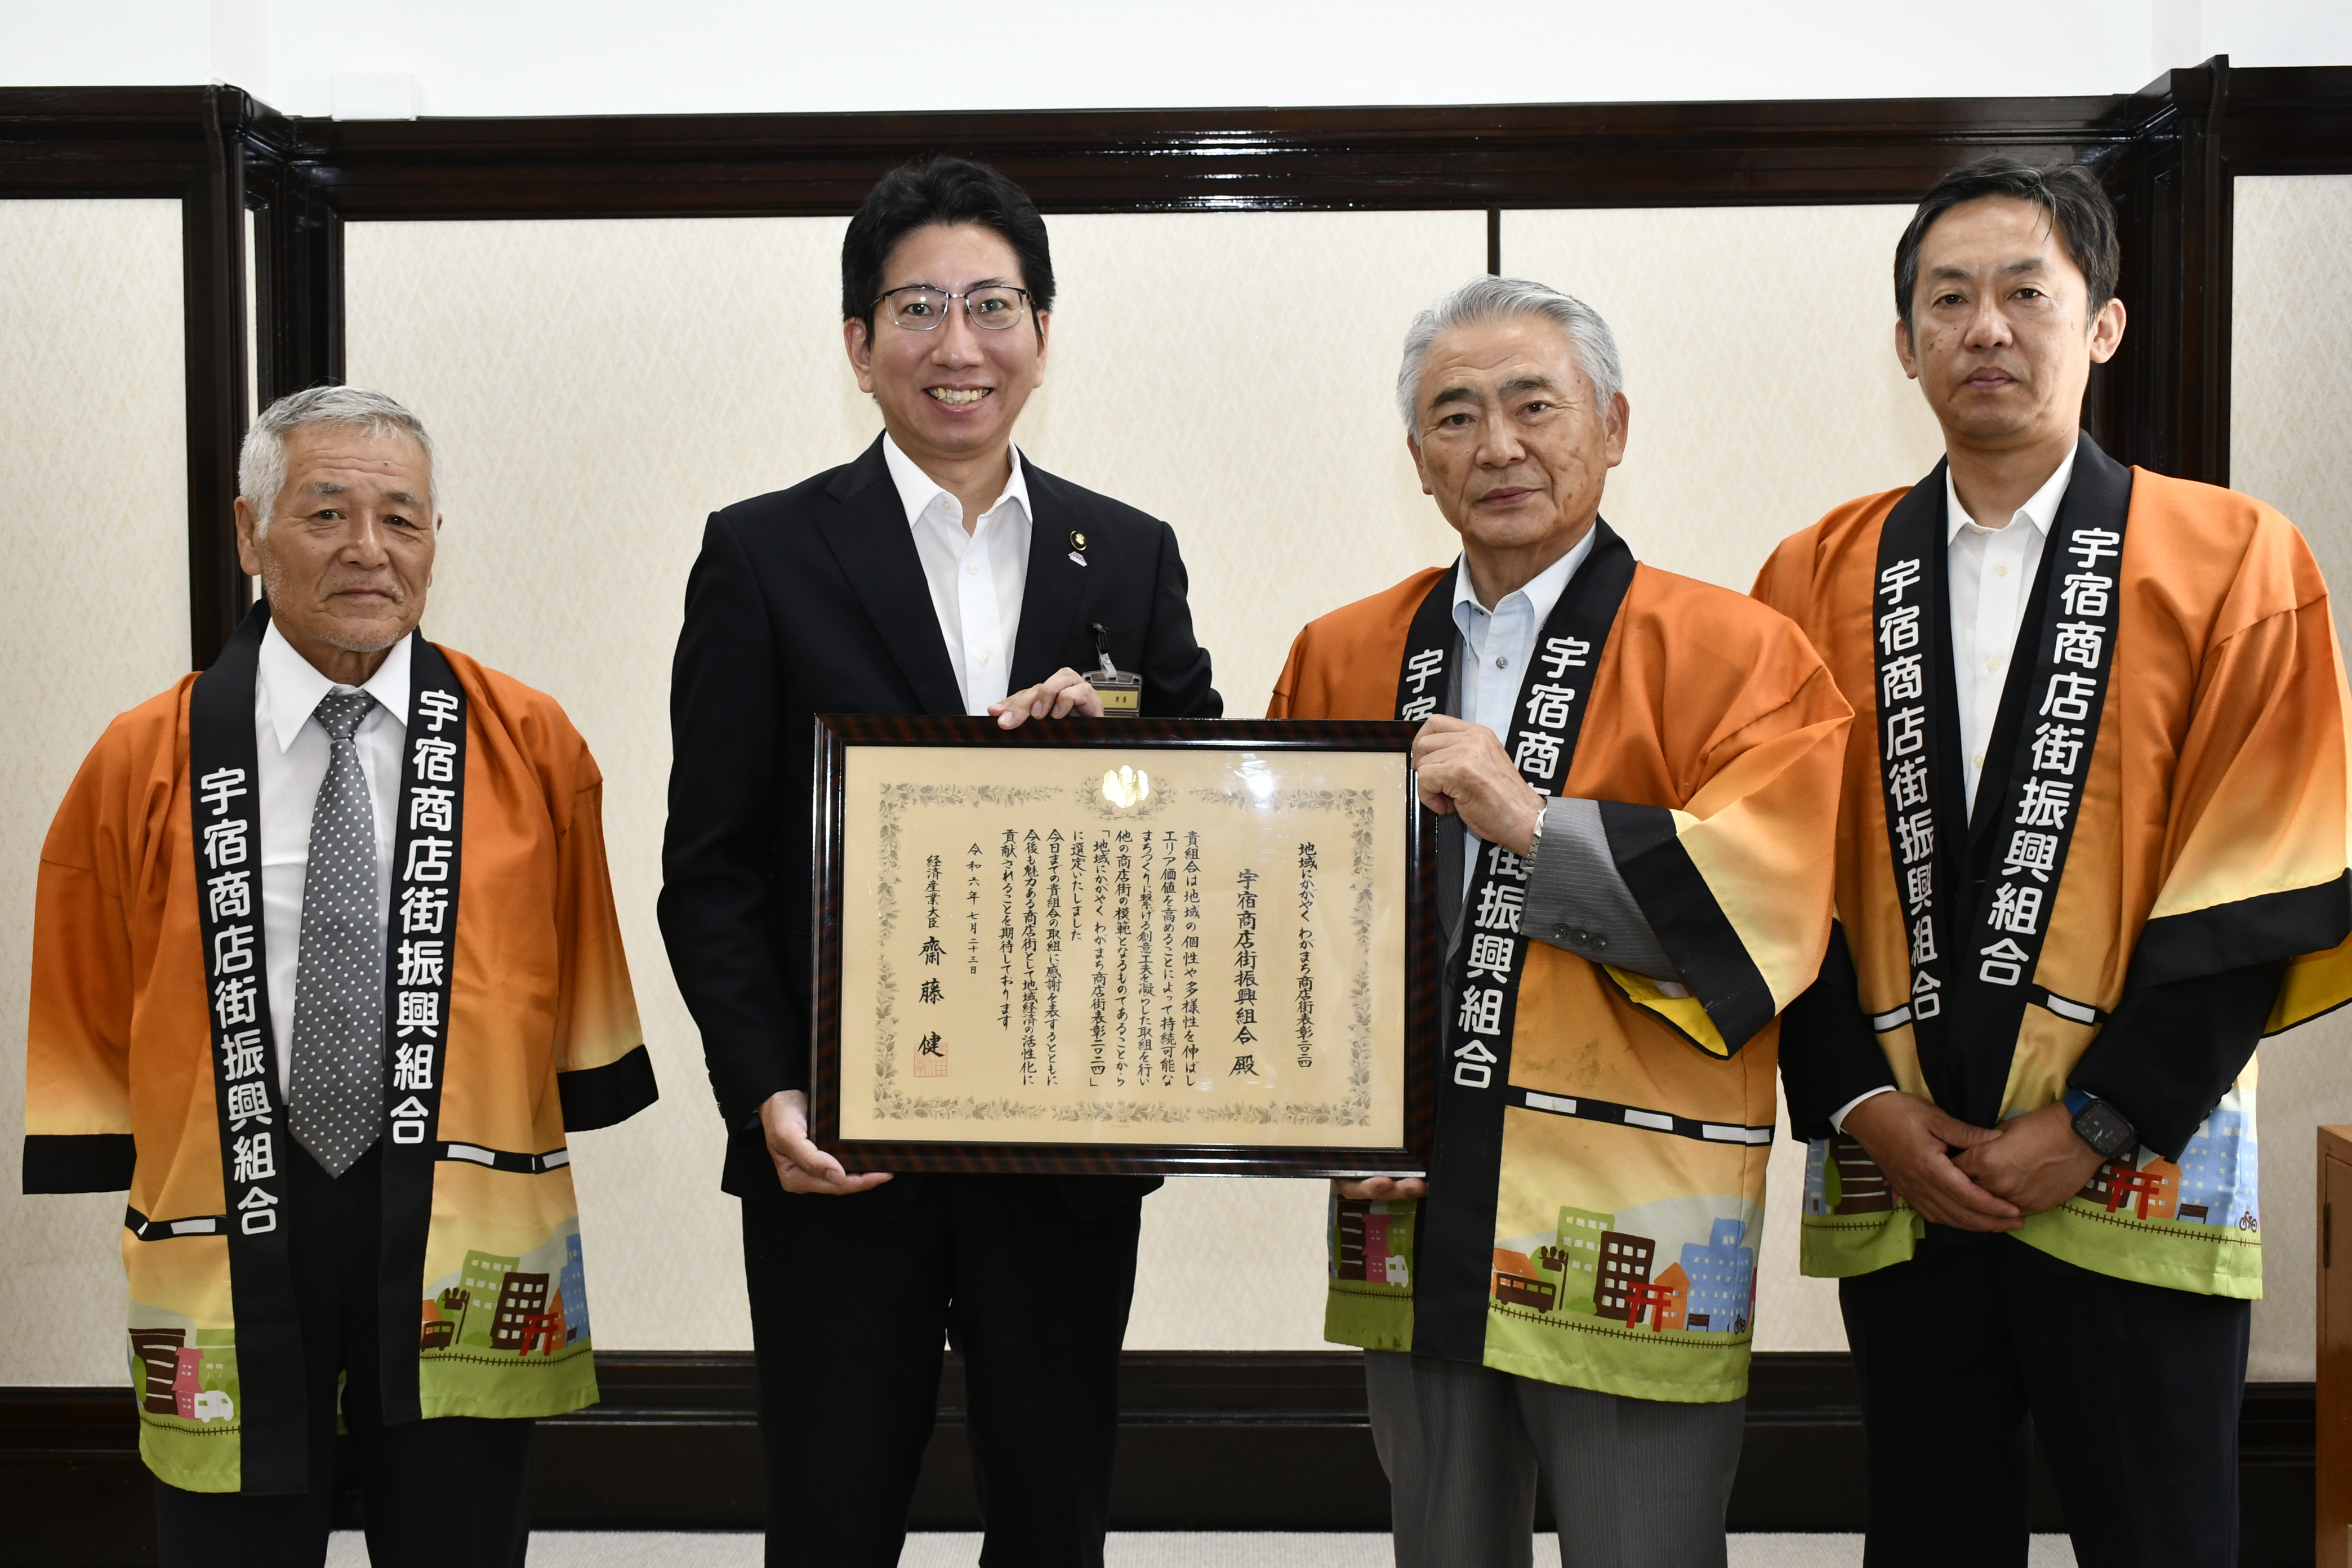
614, 56
93, 452
2290, 395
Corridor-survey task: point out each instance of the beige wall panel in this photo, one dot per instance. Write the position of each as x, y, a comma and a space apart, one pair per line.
1757, 345
1233, 373
2291, 444
1758, 350
93, 444
597, 388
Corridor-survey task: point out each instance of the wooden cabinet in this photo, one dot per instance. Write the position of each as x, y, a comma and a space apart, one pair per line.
2334, 1358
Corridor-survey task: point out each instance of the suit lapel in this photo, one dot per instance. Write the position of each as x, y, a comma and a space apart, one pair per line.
867, 534
1055, 587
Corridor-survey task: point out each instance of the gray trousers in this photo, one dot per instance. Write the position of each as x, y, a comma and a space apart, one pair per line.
1634, 1483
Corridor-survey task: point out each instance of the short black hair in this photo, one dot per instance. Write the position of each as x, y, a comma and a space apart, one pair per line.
2080, 214
946, 191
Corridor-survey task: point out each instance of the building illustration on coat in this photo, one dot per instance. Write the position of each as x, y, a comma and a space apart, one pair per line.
532, 1306
521, 1298
2219, 1172
1591, 1268
572, 1291
1625, 1262
1558, 1277
1371, 1240
1722, 1275
1841, 1179
192, 1381
1575, 1255
483, 1279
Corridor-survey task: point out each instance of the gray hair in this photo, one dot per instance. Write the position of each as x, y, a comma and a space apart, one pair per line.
1500, 299
261, 466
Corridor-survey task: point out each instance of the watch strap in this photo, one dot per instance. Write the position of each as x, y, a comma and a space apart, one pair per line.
2120, 1132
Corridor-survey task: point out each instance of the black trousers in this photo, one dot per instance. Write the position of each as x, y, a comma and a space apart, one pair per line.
453, 1492
849, 1305
2133, 1389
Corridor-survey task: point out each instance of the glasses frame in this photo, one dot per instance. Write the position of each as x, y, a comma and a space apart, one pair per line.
1028, 305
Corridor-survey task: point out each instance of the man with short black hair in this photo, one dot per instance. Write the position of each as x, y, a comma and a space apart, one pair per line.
940, 572
2093, 846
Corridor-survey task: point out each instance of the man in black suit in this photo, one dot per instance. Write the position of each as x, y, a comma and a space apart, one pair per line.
940, 572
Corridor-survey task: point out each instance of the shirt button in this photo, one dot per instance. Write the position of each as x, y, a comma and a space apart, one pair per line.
983, 658
1979, 759
2001, 570
1992, 664
972, 571
1501, 662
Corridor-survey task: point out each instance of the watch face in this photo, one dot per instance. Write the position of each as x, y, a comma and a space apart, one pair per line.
2104, 1130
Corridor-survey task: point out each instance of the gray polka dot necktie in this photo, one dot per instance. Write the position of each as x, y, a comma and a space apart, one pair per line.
336, 1104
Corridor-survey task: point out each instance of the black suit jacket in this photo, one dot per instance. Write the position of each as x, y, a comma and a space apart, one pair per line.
813, 600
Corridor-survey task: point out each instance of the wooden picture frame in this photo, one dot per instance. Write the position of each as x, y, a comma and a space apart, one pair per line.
883, 793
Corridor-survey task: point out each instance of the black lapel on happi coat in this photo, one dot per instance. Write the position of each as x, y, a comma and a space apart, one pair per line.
420, 957
1454, 1243
1978, 887
255, 1144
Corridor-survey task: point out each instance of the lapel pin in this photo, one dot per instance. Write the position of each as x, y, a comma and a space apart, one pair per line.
1077, 547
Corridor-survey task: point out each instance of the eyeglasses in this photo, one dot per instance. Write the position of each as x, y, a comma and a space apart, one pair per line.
919, 308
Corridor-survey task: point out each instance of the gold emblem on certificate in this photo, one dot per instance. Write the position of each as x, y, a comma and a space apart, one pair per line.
1090, 946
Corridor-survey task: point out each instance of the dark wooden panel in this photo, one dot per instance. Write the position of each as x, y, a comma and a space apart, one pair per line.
101, 142
213, 282
2332, 1416
1198, 160
1207, 1441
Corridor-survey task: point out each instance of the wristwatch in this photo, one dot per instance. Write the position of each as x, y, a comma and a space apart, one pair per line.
2099, 1125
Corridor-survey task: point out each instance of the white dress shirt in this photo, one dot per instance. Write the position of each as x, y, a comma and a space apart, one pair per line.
976, 577
1992, 570
1500, 642
292, 752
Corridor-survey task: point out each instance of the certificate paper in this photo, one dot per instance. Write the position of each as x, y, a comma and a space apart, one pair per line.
1135, 947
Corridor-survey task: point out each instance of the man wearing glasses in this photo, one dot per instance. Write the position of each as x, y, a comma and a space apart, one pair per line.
940, 572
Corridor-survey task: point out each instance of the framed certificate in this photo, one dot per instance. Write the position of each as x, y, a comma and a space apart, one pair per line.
1142, 946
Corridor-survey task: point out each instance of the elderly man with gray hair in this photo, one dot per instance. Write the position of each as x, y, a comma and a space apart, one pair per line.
1638, 779
325, 966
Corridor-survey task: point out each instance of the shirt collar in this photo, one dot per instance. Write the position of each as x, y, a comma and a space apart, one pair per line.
917, 490
1541, 592
294, 687
2041, 509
